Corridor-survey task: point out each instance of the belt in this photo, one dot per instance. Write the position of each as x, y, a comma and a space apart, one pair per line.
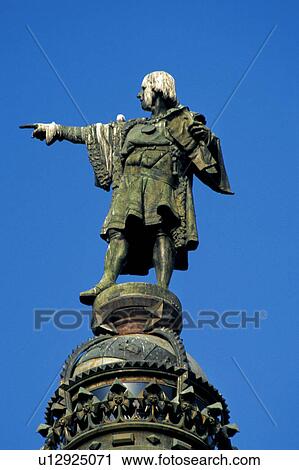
150, 173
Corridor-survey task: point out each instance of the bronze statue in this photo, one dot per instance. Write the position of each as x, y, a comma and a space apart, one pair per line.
149, 163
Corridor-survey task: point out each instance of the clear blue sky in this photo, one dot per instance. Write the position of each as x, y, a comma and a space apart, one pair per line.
51, 212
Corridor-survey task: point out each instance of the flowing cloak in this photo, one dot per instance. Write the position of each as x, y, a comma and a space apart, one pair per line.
107, 146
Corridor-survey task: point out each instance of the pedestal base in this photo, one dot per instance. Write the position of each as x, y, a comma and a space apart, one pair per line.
135, 307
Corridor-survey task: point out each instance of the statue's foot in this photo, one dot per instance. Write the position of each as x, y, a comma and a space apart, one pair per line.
88, 297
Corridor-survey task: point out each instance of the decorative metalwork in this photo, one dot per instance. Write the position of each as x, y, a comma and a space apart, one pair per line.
208, 425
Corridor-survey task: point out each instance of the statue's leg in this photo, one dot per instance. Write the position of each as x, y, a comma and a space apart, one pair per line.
115, 259
163, 258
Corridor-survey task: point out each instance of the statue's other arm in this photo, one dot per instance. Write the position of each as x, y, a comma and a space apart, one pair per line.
202, 149
208, 161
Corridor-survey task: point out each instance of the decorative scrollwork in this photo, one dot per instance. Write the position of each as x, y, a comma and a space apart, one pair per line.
119, 402
121, 405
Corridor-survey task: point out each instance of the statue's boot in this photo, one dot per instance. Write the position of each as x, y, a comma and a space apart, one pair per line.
88, 296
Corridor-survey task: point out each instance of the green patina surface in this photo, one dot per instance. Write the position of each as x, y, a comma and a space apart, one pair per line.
149, 163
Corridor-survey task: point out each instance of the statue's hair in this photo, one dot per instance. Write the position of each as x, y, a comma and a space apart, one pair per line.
162, 82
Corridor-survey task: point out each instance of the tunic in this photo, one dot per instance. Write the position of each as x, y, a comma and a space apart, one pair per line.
147, 186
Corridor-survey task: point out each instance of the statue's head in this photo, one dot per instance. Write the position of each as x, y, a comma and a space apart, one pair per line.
157, 84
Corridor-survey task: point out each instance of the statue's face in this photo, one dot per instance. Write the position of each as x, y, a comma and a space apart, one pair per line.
146, 96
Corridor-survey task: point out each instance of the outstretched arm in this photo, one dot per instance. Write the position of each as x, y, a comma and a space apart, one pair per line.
52, 132
74, 134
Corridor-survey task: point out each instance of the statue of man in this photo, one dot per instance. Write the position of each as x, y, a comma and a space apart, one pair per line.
149, 163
